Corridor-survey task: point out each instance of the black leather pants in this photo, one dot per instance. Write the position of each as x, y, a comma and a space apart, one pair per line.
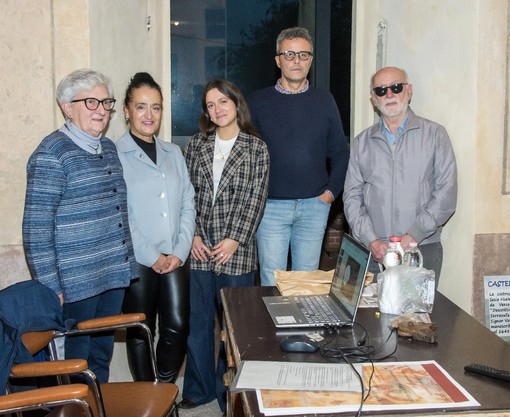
165, 299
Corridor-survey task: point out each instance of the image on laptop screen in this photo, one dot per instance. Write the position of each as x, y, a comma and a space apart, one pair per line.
349, 273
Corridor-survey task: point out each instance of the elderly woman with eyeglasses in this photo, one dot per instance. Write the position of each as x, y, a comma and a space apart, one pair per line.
75, 225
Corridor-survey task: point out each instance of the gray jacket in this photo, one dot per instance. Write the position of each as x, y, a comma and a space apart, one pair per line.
160, 200
411, 189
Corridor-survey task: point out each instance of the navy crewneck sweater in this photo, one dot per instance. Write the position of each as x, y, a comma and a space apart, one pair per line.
302, 132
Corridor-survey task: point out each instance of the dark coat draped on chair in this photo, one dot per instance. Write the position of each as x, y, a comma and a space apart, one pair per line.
24, 307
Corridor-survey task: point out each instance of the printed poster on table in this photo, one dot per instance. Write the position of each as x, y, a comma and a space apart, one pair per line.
497, 305
285, 388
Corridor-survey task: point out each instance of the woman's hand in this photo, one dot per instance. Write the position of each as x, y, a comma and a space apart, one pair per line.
166, 263
160, 265
199, 251
224, 250
172, 262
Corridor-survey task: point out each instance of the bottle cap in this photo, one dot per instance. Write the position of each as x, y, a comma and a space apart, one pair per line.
395, 239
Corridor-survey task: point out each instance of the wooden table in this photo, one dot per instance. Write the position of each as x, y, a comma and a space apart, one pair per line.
251, 335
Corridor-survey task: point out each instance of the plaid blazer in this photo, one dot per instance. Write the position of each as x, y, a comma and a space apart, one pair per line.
240, 198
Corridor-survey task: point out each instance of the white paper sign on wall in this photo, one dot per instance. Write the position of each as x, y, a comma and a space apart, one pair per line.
497, 305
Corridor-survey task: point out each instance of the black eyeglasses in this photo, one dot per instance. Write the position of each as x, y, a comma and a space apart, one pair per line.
395, 88
291, 55
92, 103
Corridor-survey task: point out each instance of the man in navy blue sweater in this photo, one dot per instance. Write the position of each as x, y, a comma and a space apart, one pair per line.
308, 154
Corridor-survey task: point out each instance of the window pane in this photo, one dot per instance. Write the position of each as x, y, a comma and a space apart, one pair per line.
236, 40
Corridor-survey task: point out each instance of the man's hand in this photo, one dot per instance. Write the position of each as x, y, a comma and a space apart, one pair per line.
378, 249
327, 197
405, 240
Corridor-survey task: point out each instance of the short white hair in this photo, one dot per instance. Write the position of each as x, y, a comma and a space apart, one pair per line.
81, 80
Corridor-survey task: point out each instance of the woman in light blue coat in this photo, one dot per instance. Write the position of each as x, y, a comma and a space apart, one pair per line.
162, 222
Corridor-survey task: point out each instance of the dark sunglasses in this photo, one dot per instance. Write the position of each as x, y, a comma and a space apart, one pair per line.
395, 88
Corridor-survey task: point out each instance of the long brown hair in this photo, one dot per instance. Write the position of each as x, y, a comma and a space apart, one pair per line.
233, 93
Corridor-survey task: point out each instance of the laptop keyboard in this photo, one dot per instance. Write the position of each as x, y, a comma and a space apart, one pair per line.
316, 310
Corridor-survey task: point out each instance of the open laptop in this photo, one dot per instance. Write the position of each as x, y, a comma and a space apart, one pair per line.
342, 301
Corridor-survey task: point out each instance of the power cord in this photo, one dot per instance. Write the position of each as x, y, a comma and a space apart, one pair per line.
362, 351
360, 379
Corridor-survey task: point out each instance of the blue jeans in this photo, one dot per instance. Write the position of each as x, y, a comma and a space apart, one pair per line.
96, 349
300, 223
202, 383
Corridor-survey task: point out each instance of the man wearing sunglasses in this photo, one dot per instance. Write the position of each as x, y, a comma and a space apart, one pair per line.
303, 131
402, 175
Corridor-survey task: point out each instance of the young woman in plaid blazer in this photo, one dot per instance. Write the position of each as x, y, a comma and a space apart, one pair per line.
229, 166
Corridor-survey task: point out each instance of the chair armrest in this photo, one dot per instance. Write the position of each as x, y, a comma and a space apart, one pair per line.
43, 395
110, 321
34, 369
36, 341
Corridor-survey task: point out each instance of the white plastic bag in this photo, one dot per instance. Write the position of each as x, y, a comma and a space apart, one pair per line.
406, 289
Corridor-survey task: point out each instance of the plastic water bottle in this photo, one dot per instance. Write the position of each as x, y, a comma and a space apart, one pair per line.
413, 256
398, 243
393, 256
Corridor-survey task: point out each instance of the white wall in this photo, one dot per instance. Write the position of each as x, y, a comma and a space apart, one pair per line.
123, 44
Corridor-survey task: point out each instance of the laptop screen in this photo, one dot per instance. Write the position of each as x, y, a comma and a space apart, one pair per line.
349, 276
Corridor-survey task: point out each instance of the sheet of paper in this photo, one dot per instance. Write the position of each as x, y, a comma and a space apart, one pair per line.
296, 376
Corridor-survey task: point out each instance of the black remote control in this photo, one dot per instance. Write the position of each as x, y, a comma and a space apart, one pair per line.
488, 371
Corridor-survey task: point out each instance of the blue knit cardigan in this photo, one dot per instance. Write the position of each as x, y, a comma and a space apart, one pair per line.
75, 226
